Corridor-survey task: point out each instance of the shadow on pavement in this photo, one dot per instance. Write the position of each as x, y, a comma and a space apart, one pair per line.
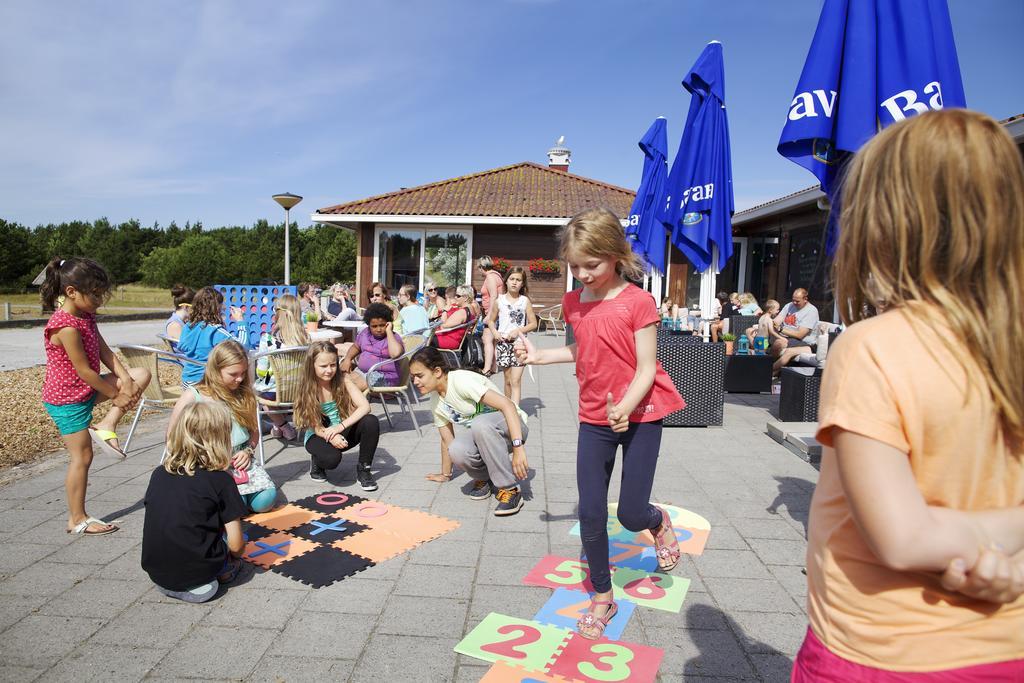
713, 658
795, 494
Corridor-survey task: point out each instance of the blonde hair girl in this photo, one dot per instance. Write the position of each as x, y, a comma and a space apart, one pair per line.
917, 517
624, 394
336, 416
227, 381
289, 327
192, 534
288, 331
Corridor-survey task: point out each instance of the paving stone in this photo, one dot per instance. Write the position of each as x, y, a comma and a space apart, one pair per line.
510, 543
430, 581
45, 579
442, 552
504, 571
767, 528
693, 653
15, 607
39, 640
723, 536
95, 598
441, 617
15, 557
354, 595
325, 634
17, 521
780, 552
151, 625
97, 551
519, 601
770, 633
420, 659
255, 608
753, 595
216, 652
19, 674
102, 663
275, 669
742, 564
792, 579
471, 674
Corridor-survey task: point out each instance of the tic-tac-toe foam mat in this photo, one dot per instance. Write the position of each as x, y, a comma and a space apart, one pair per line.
257, 304
332, 535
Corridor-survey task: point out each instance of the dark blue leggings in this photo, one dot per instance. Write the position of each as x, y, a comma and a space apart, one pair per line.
595, 460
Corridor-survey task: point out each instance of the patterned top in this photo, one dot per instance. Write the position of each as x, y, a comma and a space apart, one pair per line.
62, 385
511, 314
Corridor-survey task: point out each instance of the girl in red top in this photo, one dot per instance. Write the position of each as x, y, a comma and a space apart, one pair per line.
73, 384
624, 394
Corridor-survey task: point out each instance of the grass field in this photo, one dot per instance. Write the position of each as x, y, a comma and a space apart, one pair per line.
125, 299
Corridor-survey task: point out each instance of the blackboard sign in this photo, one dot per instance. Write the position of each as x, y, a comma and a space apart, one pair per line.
806, 263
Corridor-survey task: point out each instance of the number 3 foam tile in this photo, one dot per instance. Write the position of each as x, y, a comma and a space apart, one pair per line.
658, 591
601, 661
501, 672
517, 641
564, 607
560, 572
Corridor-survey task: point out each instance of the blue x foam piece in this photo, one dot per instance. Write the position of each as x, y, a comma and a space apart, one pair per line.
333, 526
269, 548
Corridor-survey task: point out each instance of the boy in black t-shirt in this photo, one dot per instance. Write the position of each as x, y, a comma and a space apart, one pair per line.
193, 507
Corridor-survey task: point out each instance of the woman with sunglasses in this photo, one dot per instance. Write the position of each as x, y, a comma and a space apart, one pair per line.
434, 305
377, 293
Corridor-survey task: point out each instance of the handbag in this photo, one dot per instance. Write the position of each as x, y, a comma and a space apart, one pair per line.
258, 481
473, 352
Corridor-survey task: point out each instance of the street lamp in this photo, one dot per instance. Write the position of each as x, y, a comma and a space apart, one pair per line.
287, 200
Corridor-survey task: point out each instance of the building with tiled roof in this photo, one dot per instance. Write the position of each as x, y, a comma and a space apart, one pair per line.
435, 232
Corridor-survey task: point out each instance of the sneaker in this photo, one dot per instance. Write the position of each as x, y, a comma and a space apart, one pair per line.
481, 490
366, 480
510, 501
317, 473
288, 432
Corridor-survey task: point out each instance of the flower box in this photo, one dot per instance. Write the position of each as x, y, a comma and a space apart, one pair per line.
545, 266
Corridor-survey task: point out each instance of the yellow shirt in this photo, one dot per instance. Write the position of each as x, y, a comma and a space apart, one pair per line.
886, 381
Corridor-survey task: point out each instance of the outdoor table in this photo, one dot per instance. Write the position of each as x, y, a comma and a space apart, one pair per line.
326, 335
697, 371
798, 399
748, 373
348, 328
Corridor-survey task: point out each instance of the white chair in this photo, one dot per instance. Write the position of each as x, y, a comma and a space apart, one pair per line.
286, 366
552, 318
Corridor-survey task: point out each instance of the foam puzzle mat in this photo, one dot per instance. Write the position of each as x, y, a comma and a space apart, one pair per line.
257, 304
330, 536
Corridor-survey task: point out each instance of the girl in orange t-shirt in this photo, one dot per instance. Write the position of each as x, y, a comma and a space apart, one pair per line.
915, 556
624, 394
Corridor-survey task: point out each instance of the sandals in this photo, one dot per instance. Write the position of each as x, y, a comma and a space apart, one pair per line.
83, 527
666, 547
102, 439
594, 623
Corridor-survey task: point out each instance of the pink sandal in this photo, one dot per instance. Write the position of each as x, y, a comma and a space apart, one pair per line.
592, 621
666, 547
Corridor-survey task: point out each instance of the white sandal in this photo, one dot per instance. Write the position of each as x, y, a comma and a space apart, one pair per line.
83, 527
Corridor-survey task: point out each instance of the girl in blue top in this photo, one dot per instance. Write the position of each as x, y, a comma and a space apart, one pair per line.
336, 416
227, 381
204, 330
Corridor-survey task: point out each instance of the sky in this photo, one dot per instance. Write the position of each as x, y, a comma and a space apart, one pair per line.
200, 111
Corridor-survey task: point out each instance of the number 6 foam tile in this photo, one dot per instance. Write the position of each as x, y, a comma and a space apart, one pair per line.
658, 591
564, 607
501, 672
560, 572
517, 641
600, 661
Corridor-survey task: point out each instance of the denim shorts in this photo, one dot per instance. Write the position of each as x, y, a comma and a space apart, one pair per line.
72, 417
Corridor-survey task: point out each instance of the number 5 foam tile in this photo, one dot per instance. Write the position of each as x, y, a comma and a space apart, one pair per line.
501, 672
565, 606
600, 661
517, 641
276, 548
658, 591
560, 572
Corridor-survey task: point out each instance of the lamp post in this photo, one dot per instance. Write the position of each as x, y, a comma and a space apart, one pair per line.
287, 200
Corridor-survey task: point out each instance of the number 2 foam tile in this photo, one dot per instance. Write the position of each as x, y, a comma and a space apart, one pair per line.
502, 672
517, 641
600, 661
565, 606
657, 591
560, 572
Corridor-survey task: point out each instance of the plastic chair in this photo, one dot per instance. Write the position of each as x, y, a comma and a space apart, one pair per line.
398, 391
552, 318
156, 394
286, 365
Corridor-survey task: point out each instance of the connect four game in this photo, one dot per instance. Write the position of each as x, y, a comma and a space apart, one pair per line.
257, 304
546, 648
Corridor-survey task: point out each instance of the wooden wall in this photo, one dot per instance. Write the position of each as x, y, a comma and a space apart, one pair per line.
519, 244
364, 275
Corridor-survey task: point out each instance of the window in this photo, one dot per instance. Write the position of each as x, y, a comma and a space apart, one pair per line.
405, 255
398, 253
446, 259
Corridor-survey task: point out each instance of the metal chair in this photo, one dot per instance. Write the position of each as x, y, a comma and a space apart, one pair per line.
398, 391
552, 318
454, 356
413, 342
156, 394
286, 366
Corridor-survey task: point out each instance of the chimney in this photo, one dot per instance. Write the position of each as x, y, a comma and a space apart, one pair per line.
558, 156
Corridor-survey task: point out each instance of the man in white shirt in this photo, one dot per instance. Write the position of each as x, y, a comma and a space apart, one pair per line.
797, 322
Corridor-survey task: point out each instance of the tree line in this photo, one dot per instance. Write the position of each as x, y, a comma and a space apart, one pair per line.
163, 256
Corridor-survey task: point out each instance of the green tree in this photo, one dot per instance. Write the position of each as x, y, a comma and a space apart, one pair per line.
18, 255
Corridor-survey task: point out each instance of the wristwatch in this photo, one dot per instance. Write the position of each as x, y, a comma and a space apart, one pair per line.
516, 443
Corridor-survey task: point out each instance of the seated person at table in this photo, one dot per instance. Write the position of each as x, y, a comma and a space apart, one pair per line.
375, 343
764, 327
456, 315
414, 316
182, 305
341, 306
726, 309
204, 330
748, 306
797, 325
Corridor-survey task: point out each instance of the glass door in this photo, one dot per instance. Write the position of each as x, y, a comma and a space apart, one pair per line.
446, 258
398, 254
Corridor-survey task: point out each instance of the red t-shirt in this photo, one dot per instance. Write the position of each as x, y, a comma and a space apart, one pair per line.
606, 355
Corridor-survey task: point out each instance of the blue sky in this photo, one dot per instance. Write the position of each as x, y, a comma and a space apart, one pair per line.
202, 110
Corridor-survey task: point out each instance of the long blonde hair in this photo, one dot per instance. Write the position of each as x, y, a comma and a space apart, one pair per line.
599, 232
290, 329
199, 439
933, 212
307, 405
241, 401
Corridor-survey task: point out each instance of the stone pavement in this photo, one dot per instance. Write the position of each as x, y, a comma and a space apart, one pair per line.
81, 609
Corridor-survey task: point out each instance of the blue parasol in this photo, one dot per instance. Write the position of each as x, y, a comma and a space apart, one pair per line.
698, 197
646, 233
871, 63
